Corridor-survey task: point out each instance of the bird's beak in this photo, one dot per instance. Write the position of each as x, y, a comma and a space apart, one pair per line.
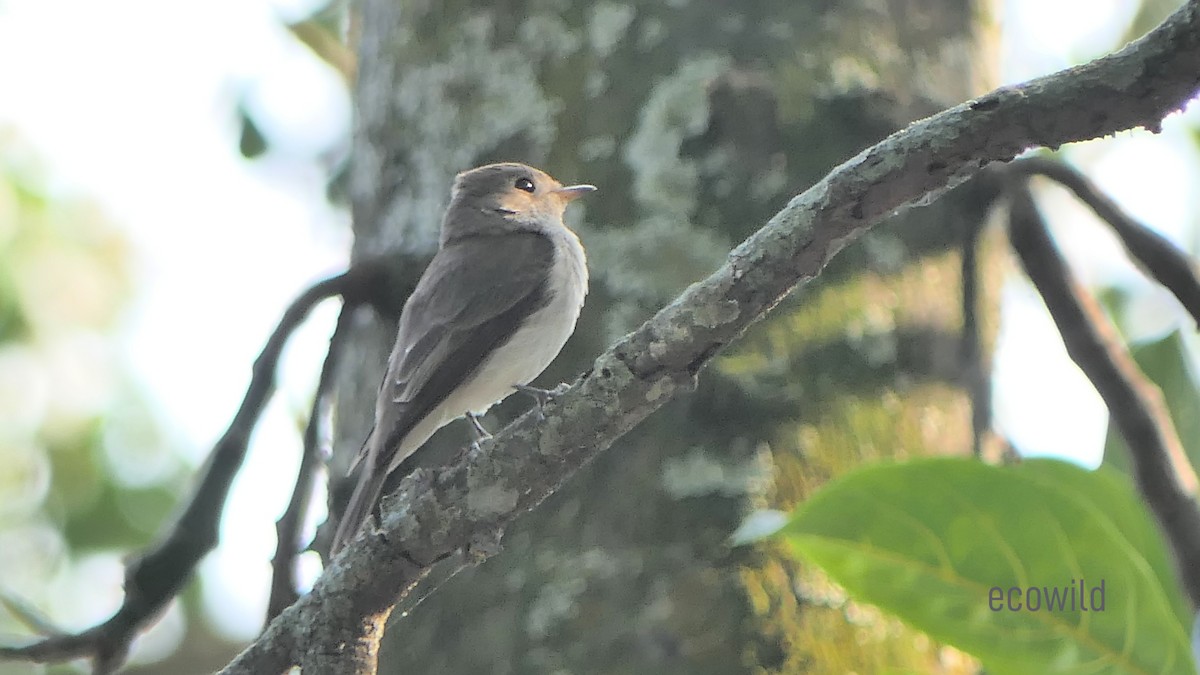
572, 192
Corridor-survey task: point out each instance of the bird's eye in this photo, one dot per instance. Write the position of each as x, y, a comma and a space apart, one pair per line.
524, 184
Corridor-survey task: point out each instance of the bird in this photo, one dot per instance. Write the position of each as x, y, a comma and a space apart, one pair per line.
491, 311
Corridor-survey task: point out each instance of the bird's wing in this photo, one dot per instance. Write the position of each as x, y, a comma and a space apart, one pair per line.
473, 297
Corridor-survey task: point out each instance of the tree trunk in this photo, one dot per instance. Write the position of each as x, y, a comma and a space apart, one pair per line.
697, 120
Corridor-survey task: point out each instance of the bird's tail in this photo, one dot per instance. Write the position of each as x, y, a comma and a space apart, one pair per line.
366, 493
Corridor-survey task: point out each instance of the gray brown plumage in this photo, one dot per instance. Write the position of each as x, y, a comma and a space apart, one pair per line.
492, 310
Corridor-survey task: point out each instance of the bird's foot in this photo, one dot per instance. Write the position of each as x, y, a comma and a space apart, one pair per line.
540, 396
478, 433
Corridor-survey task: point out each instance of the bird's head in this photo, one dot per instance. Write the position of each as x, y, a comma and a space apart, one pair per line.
507, 197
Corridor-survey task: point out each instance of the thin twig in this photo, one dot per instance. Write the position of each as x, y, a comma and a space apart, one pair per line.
317, 435
29, 615
1164, 476
974, 365
1156, 255
970, 352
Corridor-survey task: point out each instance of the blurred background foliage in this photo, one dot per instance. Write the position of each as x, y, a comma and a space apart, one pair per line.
86, 472
633, 562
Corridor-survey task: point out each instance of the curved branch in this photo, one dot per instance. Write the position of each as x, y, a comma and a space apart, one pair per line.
1154, 253
463, 507
316, 445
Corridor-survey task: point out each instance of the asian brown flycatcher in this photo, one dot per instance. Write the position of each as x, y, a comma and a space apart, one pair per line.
491, 311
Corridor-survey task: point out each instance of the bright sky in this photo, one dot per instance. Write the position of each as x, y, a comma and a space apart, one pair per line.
129, 102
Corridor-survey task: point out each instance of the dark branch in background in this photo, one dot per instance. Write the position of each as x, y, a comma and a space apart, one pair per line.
1157, 257
975, 370
970, 352
317, 439
1135, 404
466, 505
158, 574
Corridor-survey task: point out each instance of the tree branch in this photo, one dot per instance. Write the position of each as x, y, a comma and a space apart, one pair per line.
284, 585
1135, 404
1156, 256
435, 513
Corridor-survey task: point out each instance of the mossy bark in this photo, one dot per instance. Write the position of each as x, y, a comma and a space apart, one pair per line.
698, 120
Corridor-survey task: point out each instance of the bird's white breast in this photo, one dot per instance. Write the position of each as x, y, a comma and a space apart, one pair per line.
543, 334
527, 353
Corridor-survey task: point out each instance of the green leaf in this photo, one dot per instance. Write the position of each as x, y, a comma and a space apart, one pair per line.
1165, 364
1111, 492
929, 540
